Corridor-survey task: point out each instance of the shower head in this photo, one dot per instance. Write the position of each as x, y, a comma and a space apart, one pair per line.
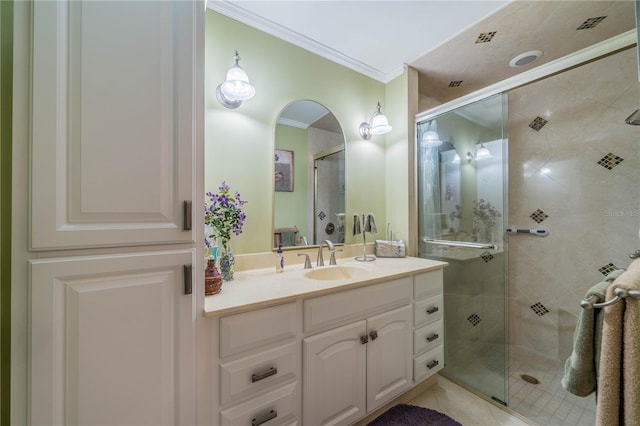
634, 119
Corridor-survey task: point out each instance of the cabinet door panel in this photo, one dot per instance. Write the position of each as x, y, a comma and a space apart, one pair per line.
389, 356
334, 376
114, 95
112, 340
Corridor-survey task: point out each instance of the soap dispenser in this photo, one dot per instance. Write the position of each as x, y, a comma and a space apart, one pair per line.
279, 259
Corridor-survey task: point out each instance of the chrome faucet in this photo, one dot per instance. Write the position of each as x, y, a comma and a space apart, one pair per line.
332, 250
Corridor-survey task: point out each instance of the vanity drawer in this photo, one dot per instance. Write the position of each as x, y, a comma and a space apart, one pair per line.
251, 330
427, 337
427, 284
275, 408
245, 376
428, 363
336, 309
428, 310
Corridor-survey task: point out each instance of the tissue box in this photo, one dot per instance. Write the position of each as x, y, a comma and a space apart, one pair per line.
390, 248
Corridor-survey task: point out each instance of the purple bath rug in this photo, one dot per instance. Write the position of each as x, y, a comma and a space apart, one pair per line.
411, 415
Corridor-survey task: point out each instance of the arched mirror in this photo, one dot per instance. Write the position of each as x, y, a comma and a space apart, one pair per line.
308, 176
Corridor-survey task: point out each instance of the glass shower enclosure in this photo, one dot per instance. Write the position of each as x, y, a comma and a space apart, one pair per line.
462, 204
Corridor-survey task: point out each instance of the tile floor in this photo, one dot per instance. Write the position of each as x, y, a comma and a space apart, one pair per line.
464, 406
545, 403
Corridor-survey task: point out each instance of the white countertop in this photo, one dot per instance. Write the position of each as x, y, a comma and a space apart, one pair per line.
260, 287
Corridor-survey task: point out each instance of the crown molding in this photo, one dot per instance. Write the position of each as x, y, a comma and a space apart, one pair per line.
292, 123
240, 14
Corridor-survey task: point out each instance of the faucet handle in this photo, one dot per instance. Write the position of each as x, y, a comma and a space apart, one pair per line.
332, 261
307, 261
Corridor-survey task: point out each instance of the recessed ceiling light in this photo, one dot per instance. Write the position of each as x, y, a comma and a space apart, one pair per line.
525, 58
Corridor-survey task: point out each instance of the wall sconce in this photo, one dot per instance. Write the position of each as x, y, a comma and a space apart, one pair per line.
236, 88
378, 125
482, 153
430, 137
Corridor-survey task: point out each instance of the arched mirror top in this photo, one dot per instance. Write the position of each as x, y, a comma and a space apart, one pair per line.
309, 178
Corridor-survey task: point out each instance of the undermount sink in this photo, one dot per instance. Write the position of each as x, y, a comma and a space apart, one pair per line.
339, 272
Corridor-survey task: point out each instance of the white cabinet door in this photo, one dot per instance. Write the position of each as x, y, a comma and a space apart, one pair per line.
112, 340
334, 376
389, 356
115, 114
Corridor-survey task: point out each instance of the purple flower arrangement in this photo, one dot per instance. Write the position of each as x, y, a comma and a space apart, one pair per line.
223, 213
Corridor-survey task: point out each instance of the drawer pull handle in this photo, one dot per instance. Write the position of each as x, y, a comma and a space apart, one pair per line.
433, 337
432, 364
373, 334
433, 310
364, 339
256, 377
264, 418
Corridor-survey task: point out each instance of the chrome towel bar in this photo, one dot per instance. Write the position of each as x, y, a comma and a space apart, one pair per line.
621, 293
460, 244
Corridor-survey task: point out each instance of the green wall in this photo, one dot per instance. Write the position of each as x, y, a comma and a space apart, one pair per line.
239, 143
291, 208
6, 74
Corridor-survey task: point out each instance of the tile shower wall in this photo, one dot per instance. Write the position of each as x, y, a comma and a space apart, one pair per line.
574, 167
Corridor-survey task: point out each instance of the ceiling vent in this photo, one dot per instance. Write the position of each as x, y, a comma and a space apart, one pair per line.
455, 83
485, 37
590, 23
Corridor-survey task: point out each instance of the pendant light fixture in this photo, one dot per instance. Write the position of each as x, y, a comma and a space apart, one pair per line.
378, 125
236, 88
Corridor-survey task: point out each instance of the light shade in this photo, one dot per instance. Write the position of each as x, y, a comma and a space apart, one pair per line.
431, 138
456, 159
378, 125
483, 153
236, 88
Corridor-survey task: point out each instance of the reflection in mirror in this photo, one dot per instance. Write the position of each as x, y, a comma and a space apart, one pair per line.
461, 177
308, 176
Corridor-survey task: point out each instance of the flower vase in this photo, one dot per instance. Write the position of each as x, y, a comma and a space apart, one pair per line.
212, 278
226, 264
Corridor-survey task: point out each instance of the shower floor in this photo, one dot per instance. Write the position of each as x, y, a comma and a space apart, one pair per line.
546, 403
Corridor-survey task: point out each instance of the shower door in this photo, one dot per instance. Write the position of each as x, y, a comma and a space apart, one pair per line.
328, 199
462, 157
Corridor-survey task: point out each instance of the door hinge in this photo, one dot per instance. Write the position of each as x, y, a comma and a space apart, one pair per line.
188, 279
186, 216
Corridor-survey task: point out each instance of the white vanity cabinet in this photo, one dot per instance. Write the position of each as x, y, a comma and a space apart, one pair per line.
259, 367
428, 334
352, 369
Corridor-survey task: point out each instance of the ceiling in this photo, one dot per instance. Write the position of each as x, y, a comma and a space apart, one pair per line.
470, 42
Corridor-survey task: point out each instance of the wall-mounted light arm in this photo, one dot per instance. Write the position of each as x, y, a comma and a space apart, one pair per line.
378, 125
236, 88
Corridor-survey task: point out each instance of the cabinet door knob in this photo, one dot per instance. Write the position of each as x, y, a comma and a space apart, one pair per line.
258, 420
433, 310
373, 334
433, 337
364, 339
432, 364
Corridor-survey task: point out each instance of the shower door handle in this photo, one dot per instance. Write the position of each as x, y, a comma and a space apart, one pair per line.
460, 244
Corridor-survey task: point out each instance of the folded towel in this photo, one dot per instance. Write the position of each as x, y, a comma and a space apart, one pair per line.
356, 224
370, 224
581, 368
619, 373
